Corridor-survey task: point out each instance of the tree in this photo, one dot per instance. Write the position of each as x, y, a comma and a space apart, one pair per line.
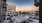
20, 12
24, 12
37, 13
36, 3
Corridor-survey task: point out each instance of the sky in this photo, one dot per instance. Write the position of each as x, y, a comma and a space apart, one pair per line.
23, 4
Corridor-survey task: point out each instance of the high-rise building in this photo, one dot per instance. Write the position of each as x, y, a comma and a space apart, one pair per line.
2, 9
11, 8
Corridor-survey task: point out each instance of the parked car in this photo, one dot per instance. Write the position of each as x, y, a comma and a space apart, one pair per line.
7, 20
15, 15
12, 19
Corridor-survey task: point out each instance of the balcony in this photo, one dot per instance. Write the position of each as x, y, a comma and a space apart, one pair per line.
4, 5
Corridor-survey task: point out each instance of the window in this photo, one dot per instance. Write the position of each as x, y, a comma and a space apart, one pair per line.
9, 9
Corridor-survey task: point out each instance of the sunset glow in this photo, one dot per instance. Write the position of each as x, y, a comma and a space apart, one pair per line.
23, 5
26, 8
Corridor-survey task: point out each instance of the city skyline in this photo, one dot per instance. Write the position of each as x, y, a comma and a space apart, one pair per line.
23, 5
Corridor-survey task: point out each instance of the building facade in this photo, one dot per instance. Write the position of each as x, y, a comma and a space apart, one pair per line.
11, 8
2, 9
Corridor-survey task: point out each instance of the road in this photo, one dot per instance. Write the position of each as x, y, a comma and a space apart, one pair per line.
19, 19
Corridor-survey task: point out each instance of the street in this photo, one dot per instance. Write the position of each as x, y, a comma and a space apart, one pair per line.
20, 19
